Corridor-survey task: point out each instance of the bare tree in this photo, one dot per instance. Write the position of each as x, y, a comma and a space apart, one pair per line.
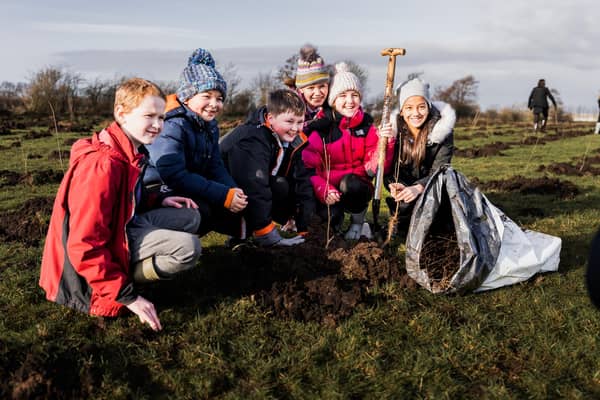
287, 72
229, 72
414, 75
12, 96
168, 87
461, 95
53, 87
241, 104
99, 96
68, 89
561, 114
261, 85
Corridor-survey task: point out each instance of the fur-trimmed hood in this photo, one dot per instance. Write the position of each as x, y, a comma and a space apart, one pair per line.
443, 127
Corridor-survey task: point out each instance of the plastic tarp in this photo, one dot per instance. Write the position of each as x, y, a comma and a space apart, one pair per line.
494, 251
523, 253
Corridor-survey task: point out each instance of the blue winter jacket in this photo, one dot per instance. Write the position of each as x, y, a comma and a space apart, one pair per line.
186, 156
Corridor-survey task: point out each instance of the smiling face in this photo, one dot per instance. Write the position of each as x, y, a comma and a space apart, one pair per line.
143, 123
347, 103
286, 125
315, 95
414, 112
206, 104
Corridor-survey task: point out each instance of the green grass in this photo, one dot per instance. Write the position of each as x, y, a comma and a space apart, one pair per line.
537, 339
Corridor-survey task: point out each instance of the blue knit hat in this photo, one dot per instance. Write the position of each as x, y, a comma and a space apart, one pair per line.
199, 76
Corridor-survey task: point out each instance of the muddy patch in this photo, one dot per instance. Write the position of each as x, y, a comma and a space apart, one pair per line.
29, 223
340, 281
488, 150
42, 177
544, 186
58, 155
563, 168
12, 145
307, 282
34, 134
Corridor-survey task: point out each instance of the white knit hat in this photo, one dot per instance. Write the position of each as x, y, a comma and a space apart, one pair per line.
413, 87
343, 80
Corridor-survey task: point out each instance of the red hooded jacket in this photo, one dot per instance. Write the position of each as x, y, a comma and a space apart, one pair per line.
86, 260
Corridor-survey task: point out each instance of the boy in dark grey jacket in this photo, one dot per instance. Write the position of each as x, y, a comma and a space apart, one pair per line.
264, 157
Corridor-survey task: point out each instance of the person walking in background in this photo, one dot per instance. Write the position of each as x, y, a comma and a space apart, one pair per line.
538, 103
186, 156
426, 142
312, 83
597, 130
264, 156
101, 243
342, 156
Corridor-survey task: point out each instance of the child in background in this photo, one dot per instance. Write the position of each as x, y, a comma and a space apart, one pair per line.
186, 156
264, 157
312, 83
105, 231
427, 142
342, 156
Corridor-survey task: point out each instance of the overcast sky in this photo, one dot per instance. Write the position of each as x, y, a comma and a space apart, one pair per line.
507, 45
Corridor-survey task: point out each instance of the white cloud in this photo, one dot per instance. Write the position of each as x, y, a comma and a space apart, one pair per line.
117, 29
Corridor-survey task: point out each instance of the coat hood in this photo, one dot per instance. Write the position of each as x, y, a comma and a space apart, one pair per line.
115, 141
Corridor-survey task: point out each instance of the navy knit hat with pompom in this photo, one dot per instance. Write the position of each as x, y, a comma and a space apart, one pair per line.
199, 76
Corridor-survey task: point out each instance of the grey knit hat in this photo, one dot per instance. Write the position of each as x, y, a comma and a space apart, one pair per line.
199, 76
413, 87
343, 80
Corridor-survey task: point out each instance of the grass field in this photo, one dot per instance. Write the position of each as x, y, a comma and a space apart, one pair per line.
537, 339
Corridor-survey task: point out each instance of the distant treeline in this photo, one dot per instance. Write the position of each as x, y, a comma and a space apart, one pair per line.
64, 95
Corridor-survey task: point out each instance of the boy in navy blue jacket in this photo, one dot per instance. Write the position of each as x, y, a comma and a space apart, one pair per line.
186, 156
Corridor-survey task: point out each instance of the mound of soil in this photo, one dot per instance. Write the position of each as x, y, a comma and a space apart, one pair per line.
69, 141
13, 178
307, 282
339, 280
544, 185
12, 145
563, 168
9, 178
533, 140
56, 155
29, 223
492, 149
37, 134
5, 130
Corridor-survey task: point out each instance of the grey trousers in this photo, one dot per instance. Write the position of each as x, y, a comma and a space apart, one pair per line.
168, 235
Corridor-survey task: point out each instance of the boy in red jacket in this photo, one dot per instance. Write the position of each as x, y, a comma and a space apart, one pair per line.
106, 231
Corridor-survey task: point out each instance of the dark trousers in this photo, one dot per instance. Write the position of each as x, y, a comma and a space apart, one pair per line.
356, 194
537, 111
283, 200
218, 219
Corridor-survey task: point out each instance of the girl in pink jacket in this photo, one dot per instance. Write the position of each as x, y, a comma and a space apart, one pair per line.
342, 155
